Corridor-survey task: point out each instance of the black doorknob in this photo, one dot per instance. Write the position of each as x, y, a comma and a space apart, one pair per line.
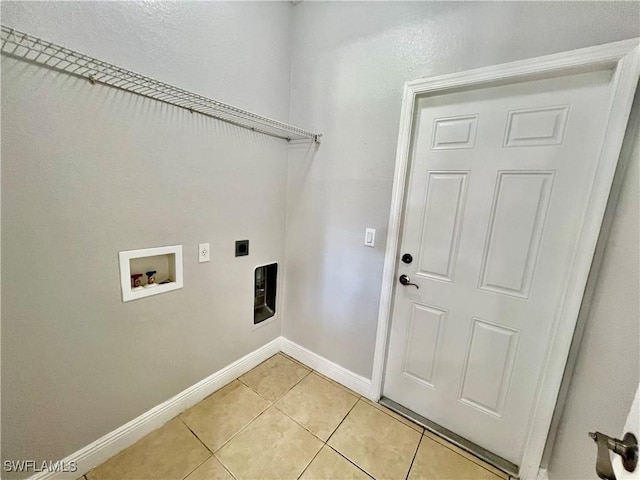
405, 280
407, 258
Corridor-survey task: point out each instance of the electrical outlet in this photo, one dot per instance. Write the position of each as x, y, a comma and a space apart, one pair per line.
203, 252
242, 248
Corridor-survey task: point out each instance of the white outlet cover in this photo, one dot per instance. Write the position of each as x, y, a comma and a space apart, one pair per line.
203, 252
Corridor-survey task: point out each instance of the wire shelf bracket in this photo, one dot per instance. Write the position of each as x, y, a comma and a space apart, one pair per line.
21, 45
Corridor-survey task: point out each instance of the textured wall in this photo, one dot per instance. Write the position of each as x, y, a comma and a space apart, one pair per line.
347, 83
88, 171
350, 61
79, 162
607, 368
235, 52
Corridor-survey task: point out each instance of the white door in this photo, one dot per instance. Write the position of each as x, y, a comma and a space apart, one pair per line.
498, 186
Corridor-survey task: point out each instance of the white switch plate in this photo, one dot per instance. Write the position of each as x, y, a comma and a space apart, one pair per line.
370, 237
203, 252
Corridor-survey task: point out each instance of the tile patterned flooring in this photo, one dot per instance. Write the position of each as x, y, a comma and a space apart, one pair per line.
282, 420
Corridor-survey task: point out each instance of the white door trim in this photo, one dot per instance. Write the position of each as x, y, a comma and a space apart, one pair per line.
624, 58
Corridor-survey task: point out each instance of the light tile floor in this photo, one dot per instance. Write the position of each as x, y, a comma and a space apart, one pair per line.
282, 420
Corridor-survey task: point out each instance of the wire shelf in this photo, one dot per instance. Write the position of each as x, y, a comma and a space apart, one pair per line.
28, 47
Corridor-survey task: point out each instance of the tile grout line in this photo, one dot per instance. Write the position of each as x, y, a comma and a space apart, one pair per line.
293, 386
205, 446
475, 460
179, 416
448, 445
199, 465
304, 427
341, 422
338, 384
297, 423
289, 357
274, 404
271, 404
383, 409
240, 430
415, 454
195, 435
309, 371
326, 442
309, 464
257, 393
361, 399
225, 467
352, 463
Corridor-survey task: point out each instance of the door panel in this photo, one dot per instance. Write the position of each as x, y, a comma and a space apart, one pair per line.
499, 180
422, 343
455, 132
443, 215
537, 126
516, 225
487, 370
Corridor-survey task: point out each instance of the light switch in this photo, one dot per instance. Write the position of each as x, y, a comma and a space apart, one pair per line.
203, 252
370, 237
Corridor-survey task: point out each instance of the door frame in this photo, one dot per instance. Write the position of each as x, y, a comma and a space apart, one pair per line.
624, 59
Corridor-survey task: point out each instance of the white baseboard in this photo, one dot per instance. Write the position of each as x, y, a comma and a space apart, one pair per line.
326, 367
112, 443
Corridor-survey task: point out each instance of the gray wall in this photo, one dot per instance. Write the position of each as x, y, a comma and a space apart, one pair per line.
349, 64
350, 89
88, 171
607, 364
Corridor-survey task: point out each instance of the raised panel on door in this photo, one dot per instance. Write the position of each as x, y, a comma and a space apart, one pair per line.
423, 337
441, 223
454, 132
516, 225
536, 126
488, 366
